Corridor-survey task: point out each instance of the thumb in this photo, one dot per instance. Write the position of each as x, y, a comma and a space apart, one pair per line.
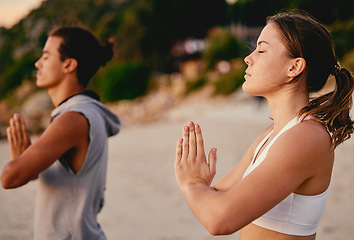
212, 161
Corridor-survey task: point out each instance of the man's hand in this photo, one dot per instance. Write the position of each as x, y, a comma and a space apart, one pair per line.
17, 136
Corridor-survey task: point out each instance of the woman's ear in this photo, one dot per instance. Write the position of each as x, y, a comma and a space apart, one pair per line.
297, 67
70, 65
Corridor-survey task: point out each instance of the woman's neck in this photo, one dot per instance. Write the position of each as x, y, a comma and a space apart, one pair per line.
285, 107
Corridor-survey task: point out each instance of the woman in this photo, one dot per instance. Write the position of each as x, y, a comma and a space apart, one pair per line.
70, 158
279, 188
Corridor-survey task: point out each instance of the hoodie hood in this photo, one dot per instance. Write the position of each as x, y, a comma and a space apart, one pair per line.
89, 106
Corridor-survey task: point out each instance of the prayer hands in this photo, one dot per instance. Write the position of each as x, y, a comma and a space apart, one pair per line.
17, 136
191, 165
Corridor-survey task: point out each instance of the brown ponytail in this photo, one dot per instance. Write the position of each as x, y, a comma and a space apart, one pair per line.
333, 108
305, 37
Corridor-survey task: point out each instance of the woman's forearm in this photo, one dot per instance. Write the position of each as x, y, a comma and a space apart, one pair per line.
207, 204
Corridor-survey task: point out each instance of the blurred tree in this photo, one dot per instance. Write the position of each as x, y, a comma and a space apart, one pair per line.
343, 35
122, 81
222, 47
147, 29
254, 12
151, 27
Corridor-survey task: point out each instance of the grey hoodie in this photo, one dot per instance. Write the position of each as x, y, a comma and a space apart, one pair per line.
67, 202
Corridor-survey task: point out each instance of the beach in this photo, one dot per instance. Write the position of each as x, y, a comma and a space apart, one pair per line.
143, 201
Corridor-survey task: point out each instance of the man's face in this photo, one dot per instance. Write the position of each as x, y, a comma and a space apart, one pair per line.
50, 69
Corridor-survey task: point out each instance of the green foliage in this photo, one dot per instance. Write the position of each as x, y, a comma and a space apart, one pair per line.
147, 29
343, 35
151, 27
222, 47
254, 12
196, 83
14, 75
229, 82
122, 81
348, 61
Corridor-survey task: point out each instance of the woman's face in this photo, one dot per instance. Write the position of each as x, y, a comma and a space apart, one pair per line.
268, 65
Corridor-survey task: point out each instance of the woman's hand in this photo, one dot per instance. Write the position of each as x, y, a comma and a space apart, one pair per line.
17, 136
191, 166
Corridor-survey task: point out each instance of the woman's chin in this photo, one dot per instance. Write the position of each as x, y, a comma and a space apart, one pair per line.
251, 91
247, 88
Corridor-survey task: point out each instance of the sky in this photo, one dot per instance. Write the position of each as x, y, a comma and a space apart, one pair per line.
11, 11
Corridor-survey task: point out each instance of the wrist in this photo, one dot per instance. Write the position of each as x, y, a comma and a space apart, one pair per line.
195, 187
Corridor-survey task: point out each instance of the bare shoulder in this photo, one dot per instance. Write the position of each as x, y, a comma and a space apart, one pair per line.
70, 127
71, 118
313, 127
304, 150
307, 136
70, 121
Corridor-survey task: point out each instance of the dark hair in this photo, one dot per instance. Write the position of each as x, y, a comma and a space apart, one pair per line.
305, 37
82, 45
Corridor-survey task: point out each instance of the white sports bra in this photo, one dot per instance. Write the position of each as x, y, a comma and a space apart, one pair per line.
297, 214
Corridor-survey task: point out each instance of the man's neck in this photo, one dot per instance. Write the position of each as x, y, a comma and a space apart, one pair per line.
59, 96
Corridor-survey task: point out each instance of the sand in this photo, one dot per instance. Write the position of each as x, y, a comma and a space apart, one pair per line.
143, 201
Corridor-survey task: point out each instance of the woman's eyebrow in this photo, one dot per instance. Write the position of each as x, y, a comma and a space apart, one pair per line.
260, 42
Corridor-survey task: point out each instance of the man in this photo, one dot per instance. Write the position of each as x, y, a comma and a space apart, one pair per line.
70, 158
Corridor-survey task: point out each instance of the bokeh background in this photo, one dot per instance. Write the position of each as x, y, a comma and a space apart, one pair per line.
175, 60
179, 45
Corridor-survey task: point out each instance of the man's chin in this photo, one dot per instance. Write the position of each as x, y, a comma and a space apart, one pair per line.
38, 84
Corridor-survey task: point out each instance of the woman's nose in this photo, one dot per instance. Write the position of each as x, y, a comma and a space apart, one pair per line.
246, 60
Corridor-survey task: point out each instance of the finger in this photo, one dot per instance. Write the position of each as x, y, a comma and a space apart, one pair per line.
212, 161
178, 150
200, 141
13, 131
24, 131
9, 135
18, 127
185, 142
11, 141
192, 141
